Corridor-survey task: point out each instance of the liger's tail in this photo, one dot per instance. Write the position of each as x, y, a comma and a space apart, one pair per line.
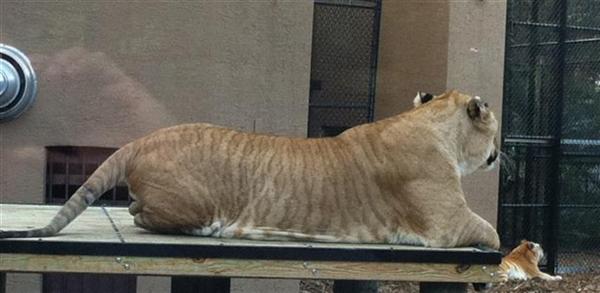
108, 174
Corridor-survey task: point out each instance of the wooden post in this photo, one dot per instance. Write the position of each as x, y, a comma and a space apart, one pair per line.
443, 287
348, 286
200, 285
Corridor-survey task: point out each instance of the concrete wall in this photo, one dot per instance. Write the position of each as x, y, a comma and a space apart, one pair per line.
476, 65
23, 283
111, 73
432, 46
413, 47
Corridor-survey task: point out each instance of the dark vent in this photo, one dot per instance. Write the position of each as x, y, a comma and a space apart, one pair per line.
67, 167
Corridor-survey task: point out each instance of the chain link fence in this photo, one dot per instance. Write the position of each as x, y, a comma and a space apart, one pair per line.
550, 189
343, 65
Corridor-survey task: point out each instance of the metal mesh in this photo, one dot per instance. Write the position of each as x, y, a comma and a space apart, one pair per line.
526, 195
68, 167
344, 52
551, 131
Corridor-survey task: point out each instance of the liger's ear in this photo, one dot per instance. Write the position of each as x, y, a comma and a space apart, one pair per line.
478, 109
422, 98
530, 245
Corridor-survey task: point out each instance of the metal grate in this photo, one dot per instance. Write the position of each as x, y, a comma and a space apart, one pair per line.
551, 131
343, 66
67, 168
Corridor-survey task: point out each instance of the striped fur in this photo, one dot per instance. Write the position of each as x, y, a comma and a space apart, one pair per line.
522, 263
392, 181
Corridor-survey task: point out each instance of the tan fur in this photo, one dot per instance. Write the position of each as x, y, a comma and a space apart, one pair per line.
393, 181
522, 263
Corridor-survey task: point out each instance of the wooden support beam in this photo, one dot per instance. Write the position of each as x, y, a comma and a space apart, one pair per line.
247, 268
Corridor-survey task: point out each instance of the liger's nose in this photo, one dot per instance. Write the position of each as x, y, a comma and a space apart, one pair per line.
492, 157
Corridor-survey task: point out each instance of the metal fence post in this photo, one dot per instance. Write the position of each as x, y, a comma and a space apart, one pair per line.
561, 10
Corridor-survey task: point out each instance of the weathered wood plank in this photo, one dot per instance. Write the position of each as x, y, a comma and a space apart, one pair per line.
92, 225
249, 268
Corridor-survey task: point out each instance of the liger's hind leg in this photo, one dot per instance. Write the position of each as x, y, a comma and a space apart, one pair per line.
134, 208
143, 222
150, 221
138, 220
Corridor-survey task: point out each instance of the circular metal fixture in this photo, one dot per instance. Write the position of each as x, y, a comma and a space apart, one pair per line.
18, 84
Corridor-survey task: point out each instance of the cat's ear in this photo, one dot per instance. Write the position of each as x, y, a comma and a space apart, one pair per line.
422, 98
530, 245
478, 110
523, 241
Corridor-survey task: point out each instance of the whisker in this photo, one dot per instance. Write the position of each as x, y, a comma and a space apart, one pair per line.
506, 162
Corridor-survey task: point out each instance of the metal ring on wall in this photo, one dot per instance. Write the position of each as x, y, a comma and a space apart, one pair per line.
18, 84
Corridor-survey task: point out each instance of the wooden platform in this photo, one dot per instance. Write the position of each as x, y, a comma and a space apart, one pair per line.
104, 240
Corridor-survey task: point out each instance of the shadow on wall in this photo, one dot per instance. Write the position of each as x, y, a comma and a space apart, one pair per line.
84, 99
86, 94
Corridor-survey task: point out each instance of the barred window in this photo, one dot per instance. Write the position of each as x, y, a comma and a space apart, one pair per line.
67, 167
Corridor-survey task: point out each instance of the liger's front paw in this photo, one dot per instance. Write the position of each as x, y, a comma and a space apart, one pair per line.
484, 247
